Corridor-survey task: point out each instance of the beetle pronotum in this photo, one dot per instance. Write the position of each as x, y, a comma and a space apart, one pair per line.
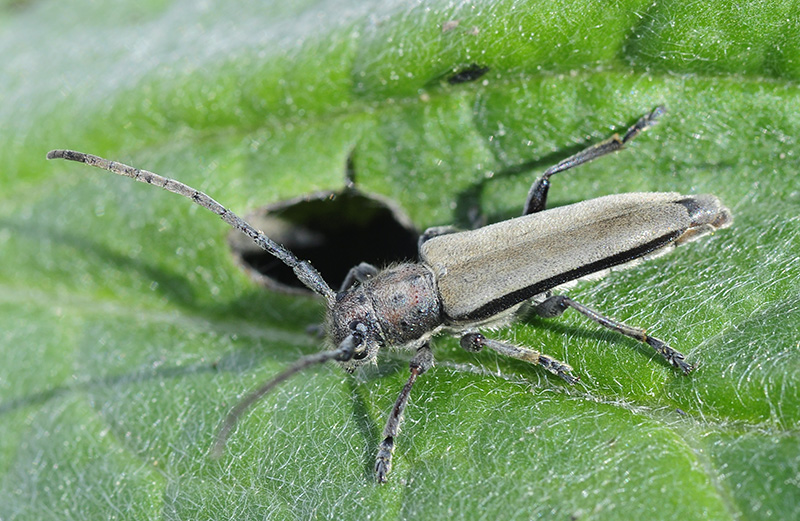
479, 278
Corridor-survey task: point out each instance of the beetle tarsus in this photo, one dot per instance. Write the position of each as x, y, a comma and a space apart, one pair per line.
675, 358
558, 368
383, 462
645, 122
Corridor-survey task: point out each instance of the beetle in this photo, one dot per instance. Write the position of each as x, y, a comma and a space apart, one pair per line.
468, 280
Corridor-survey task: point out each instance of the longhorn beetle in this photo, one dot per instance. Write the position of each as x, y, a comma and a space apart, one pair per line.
466, 280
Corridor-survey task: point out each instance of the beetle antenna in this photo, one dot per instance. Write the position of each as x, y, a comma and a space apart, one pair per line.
344, 352
304, 271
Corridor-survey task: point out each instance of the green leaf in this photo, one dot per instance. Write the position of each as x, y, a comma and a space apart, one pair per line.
128, 330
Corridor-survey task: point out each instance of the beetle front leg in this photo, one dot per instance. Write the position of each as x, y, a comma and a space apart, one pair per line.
421, 362
537, 196
557, 304
474, 342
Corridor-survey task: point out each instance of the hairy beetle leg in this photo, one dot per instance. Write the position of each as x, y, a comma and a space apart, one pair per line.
537, 196
474, 342
557, 304
421, 362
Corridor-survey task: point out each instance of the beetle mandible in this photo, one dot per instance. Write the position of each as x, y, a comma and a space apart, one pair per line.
466, 280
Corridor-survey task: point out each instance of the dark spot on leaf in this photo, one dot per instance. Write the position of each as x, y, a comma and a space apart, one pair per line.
471, 73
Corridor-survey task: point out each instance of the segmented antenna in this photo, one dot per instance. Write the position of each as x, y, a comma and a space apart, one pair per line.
304, 271
344, 352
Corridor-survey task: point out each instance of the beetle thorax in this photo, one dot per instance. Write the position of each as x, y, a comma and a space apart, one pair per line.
398, 306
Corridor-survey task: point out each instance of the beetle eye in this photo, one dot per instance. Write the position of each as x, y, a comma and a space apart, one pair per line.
357, 326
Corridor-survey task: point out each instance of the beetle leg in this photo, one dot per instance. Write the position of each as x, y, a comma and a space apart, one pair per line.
474, 342
421, 362
358, 273
555, 305
435, 231
537, 196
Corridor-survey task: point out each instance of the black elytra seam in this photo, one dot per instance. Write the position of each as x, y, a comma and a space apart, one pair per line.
498, 305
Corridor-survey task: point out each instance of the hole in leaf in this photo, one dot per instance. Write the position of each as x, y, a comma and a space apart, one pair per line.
467, 74
333, 230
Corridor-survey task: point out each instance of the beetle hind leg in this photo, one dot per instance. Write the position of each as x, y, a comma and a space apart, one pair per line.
475, 342
557, 304
537, 196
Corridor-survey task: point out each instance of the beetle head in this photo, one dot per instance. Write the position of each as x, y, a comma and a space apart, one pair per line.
352, 320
